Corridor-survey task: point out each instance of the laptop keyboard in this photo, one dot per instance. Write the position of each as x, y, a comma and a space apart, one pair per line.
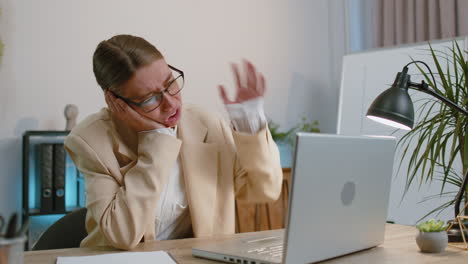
274, 251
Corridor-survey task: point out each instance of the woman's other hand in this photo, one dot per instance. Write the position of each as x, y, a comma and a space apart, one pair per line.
250, 86
130, 117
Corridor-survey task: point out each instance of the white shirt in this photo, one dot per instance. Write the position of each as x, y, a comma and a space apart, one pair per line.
172, 213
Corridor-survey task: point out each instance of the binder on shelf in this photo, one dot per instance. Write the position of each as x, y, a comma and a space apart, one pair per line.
36, 166
59, 178
46, 174
81, 189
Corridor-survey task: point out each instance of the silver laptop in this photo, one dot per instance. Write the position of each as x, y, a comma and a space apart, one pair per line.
338, 204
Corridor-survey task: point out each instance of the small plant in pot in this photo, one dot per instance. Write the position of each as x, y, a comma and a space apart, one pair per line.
432, 237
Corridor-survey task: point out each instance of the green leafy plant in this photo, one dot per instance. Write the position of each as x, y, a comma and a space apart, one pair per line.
432, 226
308, 126
304, 126
276, 134
441, 132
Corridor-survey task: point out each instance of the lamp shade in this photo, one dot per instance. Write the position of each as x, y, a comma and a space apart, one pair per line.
394, 106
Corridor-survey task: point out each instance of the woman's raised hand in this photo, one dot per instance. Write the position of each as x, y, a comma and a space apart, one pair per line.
249, 86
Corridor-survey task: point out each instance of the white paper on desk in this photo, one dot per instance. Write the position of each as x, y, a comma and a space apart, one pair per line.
121, 258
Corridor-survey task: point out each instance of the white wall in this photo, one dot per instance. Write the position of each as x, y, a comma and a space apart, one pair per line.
49, 44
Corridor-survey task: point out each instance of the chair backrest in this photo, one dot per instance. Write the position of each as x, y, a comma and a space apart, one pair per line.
67, 232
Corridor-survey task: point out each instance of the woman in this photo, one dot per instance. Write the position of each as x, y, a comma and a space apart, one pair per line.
155, 170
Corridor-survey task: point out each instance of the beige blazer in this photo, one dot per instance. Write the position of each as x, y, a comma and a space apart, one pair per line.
125, 172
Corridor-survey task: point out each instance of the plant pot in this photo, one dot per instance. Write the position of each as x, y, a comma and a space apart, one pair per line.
286, 153
432, 242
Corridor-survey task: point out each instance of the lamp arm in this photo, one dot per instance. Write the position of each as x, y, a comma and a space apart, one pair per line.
423, 87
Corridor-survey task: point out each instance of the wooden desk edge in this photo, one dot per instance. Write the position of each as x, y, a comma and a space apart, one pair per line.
399, 245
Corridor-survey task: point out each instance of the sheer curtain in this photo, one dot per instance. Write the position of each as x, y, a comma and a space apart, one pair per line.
407, 21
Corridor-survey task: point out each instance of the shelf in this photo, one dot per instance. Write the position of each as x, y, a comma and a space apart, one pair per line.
37, 212
32, 179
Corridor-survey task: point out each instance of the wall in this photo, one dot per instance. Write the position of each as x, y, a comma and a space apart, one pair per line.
49, 44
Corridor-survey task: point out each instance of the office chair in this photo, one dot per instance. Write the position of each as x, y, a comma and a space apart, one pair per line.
67, 232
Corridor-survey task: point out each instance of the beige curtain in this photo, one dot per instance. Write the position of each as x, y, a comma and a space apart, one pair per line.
408, 21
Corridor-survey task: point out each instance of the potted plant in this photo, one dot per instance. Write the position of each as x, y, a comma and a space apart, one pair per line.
305, 126
286, 140
432, 237
282, 141
308, 126
276, 134
441, 132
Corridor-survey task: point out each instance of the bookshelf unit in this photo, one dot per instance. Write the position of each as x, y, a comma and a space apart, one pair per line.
32, 193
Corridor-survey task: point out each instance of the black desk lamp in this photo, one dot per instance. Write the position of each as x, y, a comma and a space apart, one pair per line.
394, 107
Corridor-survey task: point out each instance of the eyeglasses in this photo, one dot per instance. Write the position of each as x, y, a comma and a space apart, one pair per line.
153, 102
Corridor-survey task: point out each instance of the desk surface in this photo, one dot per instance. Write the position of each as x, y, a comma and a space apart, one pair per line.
399, 247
